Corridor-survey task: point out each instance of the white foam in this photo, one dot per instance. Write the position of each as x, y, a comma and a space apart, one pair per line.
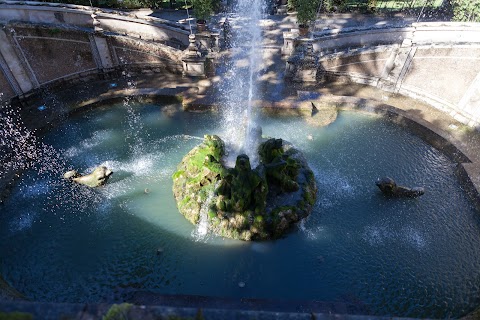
312, 232
97, 138
200, 232
415, 238
142, 165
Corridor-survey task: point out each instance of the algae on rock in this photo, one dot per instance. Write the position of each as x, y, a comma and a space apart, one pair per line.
247, 204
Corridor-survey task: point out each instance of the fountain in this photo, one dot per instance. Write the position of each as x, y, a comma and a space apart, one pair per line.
242, 203
271, 187
352, 248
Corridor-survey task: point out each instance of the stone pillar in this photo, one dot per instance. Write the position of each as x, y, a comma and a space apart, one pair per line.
289, 42
280, 7
18, 74
397, 66
101, 51
193, 62
207, 41
470, 102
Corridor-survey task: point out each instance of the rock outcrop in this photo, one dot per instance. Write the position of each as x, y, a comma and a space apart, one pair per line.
241, 202
389, 188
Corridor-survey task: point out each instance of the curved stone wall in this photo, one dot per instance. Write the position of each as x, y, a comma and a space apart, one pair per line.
438, 63
44, 43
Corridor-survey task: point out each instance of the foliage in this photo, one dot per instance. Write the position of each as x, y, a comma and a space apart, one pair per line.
203, 9
118, 312
306, 10
124, 4
466, 10
336, 5
291, 5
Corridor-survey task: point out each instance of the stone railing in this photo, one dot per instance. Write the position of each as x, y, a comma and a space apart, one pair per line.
437, 62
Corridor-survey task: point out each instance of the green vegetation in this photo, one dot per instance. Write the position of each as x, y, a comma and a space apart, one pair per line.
365, 6
306, 10
237, 197
390, 5
128, 4
118, 312
15, 316
203, 9
466, 10
463, 10
54, 31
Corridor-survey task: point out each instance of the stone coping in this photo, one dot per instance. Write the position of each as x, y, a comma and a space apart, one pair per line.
388, 27
203, 309
116, 14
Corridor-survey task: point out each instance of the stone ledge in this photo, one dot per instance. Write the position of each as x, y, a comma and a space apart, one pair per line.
185, 307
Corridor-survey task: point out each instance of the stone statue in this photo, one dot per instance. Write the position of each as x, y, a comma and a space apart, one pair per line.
389, 188
97, 178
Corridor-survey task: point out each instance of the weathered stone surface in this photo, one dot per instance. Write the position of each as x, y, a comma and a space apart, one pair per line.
97, 178
322, 113
241, 202
389, 188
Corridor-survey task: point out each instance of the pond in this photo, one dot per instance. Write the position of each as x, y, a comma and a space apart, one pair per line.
403, 257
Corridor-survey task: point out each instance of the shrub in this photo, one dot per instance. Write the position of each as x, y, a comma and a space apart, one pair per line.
466, 10
203, 9
306, 11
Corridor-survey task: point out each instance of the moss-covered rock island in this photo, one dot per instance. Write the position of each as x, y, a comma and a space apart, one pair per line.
241, 202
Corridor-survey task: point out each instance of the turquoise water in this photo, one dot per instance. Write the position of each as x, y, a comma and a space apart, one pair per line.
404, 257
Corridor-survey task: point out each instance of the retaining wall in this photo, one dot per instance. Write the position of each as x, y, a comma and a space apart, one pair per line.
44, 43
438, 63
